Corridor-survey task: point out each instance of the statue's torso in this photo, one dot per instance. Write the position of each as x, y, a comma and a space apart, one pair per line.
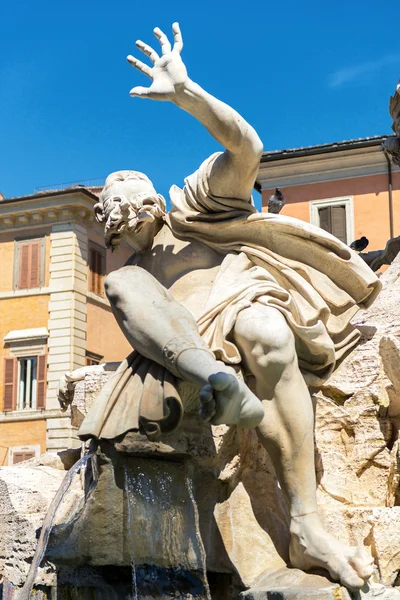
186, 268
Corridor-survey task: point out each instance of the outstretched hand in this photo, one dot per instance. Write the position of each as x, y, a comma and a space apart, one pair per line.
168, 73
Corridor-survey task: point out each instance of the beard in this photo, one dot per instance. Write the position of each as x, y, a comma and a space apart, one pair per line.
123, 219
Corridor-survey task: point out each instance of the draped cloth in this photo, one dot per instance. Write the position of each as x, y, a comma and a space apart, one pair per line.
317, 283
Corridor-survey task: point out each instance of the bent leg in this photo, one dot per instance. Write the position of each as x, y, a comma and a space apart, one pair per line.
287, 432
163, 330
266, 344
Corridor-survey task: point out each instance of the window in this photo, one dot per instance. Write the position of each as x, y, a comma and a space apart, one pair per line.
97, 269
27, 380
21, 456
25, 383
335, 216
29, 264
92, 359
17, 454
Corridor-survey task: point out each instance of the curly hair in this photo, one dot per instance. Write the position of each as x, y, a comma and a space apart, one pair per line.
125, 215
121, 176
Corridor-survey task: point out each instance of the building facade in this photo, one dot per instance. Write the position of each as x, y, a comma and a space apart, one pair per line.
351, 189
54, 316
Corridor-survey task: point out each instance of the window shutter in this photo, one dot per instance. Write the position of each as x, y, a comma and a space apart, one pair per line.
34, 274
97, 270
29, 265
41, 381
324, 218
23, 266
97, 266
338, 220
92, 270
333, 220
21, 456
101, 272
10, 384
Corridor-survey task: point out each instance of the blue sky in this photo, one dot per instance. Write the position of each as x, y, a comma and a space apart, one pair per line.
302, 72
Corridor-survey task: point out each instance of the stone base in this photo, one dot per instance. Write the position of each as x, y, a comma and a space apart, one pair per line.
293, 584
116, 583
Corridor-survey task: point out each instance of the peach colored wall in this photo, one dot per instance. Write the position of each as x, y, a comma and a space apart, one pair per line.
370, 199
103, 336
24, 433
20, 313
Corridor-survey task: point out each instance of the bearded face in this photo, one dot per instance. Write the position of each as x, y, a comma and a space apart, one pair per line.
127, 209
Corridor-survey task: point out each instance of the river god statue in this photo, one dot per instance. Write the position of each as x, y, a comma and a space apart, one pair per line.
252, 308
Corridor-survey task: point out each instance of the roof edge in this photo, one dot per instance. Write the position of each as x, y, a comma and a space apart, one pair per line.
49, 194
323, 148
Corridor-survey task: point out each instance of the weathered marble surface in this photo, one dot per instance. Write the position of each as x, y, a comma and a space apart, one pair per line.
357, 419
244, 516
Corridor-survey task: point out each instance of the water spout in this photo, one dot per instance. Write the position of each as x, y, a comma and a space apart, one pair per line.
48, 525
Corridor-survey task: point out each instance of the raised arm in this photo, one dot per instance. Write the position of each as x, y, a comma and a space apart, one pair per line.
235, 171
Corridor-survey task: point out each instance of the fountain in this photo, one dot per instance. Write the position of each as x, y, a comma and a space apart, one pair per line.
179, 497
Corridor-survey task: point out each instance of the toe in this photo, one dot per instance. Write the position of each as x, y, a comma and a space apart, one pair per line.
207, 413
206, 394
363, 563
349, 578
207, 403
220, 381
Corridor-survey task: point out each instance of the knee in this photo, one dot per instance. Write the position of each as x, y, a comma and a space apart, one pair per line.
133, 286
275, 348
117, 282
266, 342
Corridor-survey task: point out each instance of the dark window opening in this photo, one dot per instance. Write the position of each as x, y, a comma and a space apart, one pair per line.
333, 220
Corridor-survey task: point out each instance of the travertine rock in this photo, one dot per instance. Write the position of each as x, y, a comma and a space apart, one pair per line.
357, 461
25, 494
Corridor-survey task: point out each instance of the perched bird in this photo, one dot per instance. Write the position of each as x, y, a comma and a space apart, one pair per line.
276, 202
359, 245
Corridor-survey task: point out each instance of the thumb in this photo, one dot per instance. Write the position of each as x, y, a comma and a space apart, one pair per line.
140, 92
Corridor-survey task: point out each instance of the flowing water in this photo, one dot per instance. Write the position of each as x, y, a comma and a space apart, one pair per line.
48, 525
203, 556
159, 524
129, 488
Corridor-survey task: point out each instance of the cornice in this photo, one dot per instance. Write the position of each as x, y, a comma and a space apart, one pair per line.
17, 416
42, 210
343, 164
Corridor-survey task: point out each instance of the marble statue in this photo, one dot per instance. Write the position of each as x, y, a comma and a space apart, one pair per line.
250, 308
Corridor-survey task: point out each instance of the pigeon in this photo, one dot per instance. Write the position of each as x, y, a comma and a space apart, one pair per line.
276, 202
359, 245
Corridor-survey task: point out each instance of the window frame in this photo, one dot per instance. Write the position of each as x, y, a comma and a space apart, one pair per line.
346, 201
17, 261
40, 385
93, 359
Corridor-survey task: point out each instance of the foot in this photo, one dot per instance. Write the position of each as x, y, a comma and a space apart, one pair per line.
227, 400
312, 547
